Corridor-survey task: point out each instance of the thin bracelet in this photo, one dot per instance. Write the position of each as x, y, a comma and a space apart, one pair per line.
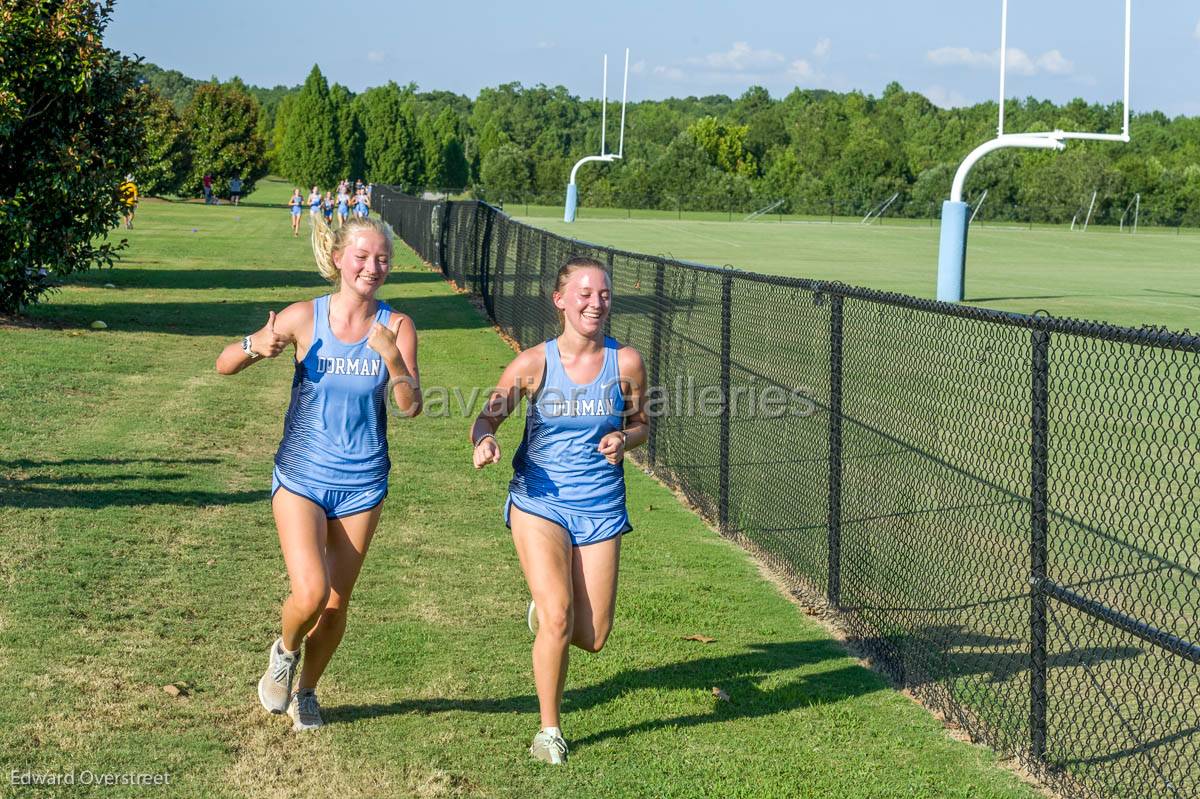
624, 437
479, 440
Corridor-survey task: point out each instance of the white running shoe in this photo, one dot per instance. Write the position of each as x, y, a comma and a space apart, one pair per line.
275, 686
531, 618
305, 710
548, 748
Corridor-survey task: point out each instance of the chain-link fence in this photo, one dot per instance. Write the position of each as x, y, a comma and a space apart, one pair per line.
1122, 213
1003, 510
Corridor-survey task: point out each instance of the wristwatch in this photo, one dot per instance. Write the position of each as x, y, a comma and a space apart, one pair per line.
246, 348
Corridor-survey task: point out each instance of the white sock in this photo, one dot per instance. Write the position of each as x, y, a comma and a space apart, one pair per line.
555, 731
282, 651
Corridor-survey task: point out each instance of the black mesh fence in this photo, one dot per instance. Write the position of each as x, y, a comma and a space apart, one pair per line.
1002, 510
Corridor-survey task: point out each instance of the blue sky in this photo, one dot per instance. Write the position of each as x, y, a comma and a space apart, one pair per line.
1058, 49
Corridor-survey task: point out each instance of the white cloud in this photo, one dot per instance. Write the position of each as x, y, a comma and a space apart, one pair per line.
1055, 63
1019, 62
1052, 62
800, 69
375, 56
822, 48
959, 56
637, 67
744, 65
740, 58
944, 98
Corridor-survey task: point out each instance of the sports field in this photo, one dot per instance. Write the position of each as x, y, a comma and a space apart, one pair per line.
140, 553
1148, 278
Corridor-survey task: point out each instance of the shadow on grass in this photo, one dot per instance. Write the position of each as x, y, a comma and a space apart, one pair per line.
27, 483
131, 276
738, 675
936, 654
124, 277
232, 319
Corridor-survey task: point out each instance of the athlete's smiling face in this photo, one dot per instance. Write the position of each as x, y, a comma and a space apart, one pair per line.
585, 300
365, 262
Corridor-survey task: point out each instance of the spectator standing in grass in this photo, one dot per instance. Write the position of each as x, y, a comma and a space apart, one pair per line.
129, 199
208, 192
235, 190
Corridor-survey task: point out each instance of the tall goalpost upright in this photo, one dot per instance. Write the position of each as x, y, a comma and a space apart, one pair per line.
607, 157
952, 247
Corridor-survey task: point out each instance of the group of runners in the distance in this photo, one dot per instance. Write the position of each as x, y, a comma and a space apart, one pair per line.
566, 500
324, 205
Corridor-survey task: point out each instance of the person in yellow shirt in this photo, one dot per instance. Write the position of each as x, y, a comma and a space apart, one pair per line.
129, 196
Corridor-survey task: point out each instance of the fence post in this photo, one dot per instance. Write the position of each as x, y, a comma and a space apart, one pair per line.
540, 275
723, 451
656, 355
444, 236
485, 256
611, 278
833, 591
1038, 448
486, 285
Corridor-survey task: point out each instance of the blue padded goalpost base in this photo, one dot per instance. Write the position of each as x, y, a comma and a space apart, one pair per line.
952, 251
572, 201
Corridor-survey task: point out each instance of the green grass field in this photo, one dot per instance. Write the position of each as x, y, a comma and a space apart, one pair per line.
1149, 278
141, 553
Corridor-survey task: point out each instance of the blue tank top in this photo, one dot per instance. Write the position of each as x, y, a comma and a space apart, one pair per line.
314, 202
335, 431
557, 461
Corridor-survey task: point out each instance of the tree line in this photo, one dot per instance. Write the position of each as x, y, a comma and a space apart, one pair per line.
816, 151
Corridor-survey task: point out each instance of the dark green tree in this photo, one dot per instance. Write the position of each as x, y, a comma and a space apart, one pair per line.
391, 152
283, 115
71, 128
222, 124
310, 153
349, 131
167, 159
506, 173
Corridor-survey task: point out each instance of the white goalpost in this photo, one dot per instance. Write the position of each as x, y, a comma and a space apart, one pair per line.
605, 156
952, 249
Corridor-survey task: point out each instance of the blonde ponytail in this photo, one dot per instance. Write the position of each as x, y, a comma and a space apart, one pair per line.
328, 243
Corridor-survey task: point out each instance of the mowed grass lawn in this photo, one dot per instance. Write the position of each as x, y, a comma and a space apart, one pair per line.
1148, 278
140, 552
